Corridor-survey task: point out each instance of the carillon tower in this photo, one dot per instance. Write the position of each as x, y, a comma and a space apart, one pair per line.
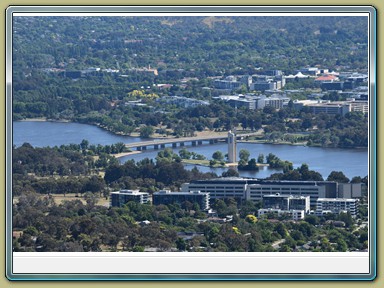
231, 147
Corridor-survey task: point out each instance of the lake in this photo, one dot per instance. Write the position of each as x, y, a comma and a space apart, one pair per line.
352, 162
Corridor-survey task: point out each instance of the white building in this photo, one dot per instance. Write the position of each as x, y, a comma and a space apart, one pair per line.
337, 205
295, 214
119, 198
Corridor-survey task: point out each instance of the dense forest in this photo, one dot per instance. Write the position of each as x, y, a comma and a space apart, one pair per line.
204, 46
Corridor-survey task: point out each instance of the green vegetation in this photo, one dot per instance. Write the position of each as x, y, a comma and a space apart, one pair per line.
41, 223
51, 79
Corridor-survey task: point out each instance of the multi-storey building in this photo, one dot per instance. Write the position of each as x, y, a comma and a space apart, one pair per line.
229, 82
255, 189
359, 106
220, 188
275, 101
167, 197
337, 205
264, 85
332, 108
299, 203
295, 214
296, 206
119, 198
313, 189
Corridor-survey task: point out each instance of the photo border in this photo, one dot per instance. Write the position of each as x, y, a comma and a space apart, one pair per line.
286, 9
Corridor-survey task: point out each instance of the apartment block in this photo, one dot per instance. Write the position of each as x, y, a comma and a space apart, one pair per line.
337, 205
119, 198
166, 197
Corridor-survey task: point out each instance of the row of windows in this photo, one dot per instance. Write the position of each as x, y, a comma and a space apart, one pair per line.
282, 189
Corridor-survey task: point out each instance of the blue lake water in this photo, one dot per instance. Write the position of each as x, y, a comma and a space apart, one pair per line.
352, 162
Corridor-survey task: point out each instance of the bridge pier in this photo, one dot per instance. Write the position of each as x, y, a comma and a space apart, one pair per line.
156, 147
138, 148
162, 146
144, 148
200, 142
211, 142
193, 143
174, 145
181, 144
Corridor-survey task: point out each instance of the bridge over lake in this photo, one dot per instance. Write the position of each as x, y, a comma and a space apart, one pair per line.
175, 142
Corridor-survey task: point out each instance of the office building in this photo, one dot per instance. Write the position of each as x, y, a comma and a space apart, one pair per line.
119, 198
313, 189
166, 197
221, 188
295, 214
255, 189
337, 205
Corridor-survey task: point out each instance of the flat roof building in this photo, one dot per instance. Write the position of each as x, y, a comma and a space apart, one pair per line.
119, 198
220, 188
295, 214
166, 197
337, 205
255, 189
286, 202
313, 189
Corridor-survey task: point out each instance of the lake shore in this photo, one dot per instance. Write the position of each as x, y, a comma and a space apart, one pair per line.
44, 119
123, 154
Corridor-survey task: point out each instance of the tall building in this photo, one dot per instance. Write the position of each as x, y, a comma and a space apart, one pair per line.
231, 147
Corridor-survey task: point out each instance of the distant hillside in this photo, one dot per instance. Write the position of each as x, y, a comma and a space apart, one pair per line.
210, 45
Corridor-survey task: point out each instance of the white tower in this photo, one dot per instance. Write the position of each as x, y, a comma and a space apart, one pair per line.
231, 147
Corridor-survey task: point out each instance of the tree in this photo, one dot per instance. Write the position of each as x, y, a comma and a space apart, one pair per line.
356, 179
84, 144
244, 155
252, 165
251, 218
218, 156
260, 158
230, 173
338, 176
185, 154
146, 131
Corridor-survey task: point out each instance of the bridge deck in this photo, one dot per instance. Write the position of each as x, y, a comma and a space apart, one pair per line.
159, 142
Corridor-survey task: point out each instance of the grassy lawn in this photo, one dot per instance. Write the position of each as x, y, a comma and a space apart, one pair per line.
60, 198
200, 162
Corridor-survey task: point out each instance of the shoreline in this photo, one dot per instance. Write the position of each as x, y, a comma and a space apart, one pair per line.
43, 119
200, 134
123, 154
